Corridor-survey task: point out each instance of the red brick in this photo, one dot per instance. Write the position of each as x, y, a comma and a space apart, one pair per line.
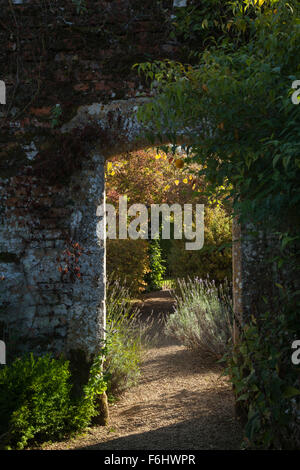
101, 86
81, 87
45, 111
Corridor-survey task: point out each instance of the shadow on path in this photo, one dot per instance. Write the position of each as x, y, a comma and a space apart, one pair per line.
192, 435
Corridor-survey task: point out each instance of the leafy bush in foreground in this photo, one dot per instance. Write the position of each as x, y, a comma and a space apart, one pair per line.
36, 401
265, 381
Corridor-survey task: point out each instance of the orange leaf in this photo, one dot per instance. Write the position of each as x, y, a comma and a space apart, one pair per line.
179, 163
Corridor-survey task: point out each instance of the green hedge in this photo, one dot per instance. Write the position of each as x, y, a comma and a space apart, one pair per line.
36, 402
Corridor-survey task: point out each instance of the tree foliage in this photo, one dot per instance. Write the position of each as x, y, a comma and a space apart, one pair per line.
214, 259
152, 177
234, 107
248, 129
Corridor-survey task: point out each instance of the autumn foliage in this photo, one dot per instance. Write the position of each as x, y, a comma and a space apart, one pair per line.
152, 177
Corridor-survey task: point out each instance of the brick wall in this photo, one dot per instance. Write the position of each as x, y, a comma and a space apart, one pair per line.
52, 266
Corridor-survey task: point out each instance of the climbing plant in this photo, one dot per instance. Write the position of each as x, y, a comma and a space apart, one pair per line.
238, 97
157, 266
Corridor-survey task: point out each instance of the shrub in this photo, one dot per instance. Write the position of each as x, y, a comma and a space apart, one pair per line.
214, 259
36, 401
122, 367
125, 335
266, 383
202, 319
128, 261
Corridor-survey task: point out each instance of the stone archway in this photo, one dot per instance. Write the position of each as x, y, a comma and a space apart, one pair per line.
119, 125
66, 313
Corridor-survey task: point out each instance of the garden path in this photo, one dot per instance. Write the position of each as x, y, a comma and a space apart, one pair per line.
181, 402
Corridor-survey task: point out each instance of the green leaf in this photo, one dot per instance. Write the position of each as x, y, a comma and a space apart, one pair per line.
243, 397
290, 392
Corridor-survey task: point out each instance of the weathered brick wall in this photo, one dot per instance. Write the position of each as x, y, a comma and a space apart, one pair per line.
52, 265
50, 54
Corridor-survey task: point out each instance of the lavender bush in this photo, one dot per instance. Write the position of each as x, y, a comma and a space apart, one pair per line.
203, 317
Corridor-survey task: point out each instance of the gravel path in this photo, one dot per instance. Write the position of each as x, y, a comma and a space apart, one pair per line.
181, 402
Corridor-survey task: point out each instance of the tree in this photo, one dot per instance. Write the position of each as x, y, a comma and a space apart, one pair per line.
239, 95
152, 177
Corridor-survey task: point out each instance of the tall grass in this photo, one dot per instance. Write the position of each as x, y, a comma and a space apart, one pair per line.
126, 339
203, 317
